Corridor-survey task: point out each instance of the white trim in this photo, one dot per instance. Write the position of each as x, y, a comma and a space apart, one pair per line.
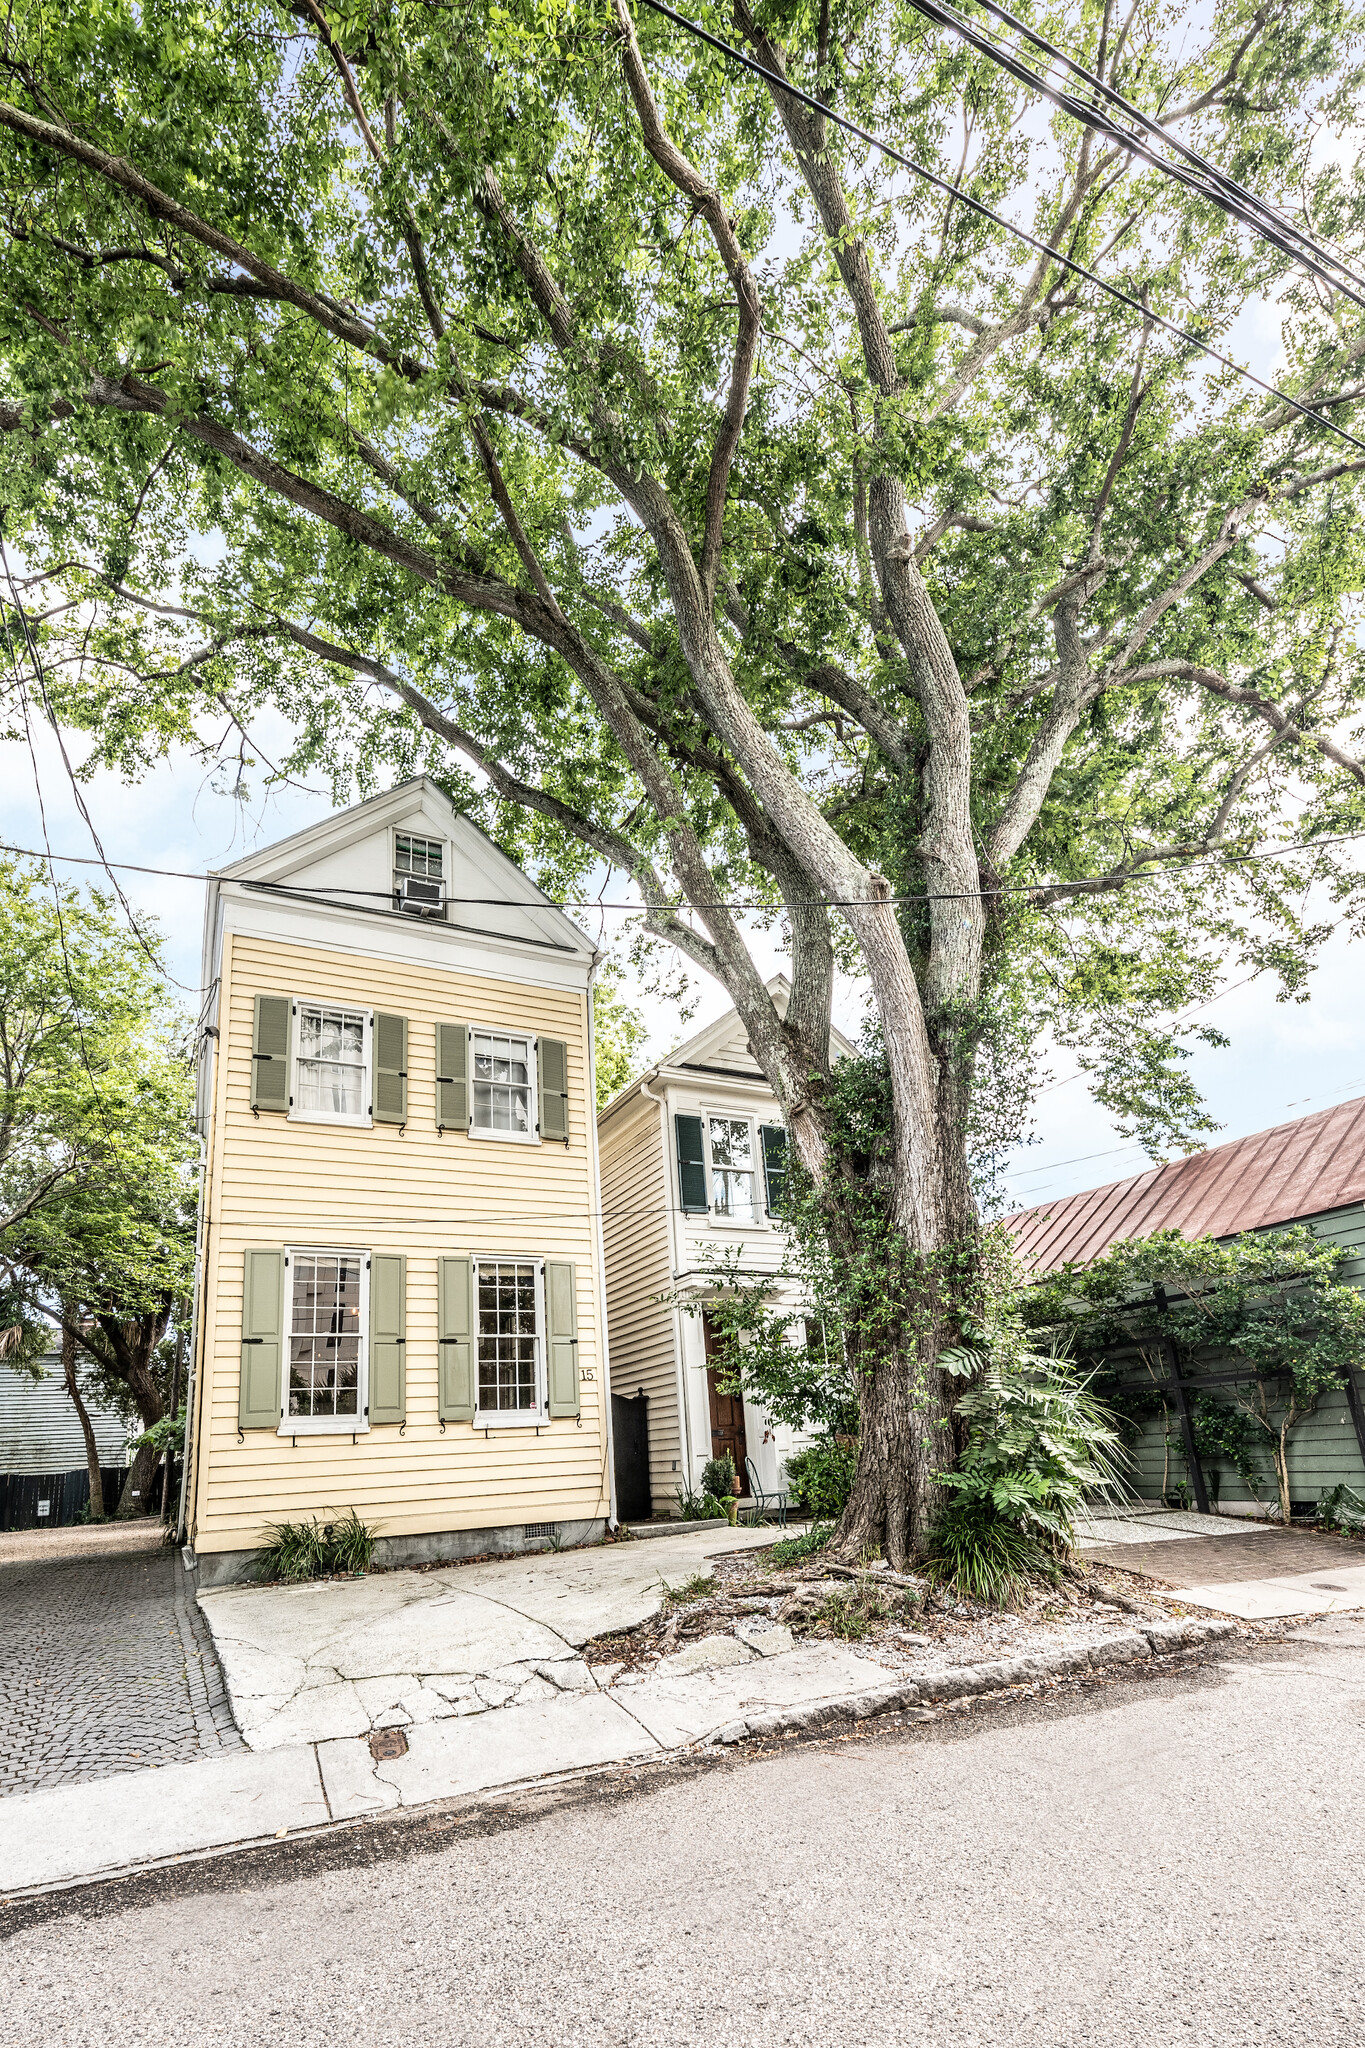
514, 1418
328, 1425
410, 941
361, 1120
531, 1041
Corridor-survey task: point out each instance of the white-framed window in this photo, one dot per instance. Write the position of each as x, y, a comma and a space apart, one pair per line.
332, 1062
502, 1083
735, 1167
327, 1294
419, 880
509, 1308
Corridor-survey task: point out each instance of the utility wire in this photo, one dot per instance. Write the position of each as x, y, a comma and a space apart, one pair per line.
1217, 860
978, 206
1193, 171
36, 663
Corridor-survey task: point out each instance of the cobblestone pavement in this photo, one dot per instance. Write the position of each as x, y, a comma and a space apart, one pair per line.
105, 1663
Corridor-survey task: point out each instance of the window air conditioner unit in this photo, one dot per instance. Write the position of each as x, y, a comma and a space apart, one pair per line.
420, 897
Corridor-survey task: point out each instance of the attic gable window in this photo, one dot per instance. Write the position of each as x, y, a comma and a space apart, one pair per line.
419, 874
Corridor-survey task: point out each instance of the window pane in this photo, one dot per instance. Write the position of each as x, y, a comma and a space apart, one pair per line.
732, 1141
331, 1065
324, 1334
413, 856
508, 1338
502, 1082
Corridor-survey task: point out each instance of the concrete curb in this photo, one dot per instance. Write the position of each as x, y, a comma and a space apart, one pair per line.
1153, 1639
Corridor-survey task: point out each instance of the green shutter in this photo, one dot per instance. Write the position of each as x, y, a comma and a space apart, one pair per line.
390, 1069
258, 1389
561, 1336
552, 1084
388, 1334
455, 1331
452, 1077
691, 1165
270, 1053
774, 1141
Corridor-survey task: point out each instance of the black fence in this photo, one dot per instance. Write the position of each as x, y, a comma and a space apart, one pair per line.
54, 1498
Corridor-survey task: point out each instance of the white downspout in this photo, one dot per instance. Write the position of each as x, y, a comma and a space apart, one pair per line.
675, 1271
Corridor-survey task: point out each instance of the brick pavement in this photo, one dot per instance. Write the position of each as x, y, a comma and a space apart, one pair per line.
1226, 1560
106, 1664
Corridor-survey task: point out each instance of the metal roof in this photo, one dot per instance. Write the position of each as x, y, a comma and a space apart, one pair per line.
1276, 1176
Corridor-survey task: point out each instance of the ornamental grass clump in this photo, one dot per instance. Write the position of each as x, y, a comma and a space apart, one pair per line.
317, 1550
1039, 1444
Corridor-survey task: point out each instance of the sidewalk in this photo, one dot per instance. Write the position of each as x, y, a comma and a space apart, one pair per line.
358, 1698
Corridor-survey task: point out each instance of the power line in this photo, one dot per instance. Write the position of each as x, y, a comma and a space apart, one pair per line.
1194, 171
978, 206
1002, 889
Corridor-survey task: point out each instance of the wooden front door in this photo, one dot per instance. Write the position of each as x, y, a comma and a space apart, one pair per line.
727, 1410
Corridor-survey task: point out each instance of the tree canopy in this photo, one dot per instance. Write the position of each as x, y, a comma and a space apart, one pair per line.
527, 395
98, 1177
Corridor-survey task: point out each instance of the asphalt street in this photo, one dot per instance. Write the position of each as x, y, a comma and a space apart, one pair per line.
1178, 1857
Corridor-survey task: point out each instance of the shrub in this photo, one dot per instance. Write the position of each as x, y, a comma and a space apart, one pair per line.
820, 1478
1038, 1444
1343, 1509
718, 1478
982, 1554
701, 1506
317, 1550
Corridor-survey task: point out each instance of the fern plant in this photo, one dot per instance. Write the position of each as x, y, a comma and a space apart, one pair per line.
1039, 1444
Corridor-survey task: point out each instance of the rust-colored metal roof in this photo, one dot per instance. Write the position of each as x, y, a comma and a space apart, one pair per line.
1276, 1176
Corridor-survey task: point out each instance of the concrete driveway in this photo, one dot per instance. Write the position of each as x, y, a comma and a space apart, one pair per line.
317, 1662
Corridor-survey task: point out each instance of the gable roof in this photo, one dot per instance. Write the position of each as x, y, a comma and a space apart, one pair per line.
721, 1050
1277, 1176
313, 859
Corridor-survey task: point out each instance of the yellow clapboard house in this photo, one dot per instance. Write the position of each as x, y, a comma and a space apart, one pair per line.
400, 1293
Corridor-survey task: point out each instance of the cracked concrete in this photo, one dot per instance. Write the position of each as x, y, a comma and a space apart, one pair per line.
327, 1661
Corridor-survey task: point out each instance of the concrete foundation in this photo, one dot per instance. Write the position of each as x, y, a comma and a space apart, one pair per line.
441, 1546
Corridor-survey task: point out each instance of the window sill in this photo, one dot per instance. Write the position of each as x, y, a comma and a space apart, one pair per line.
323, 1116
505, 1137
312, 1425
511, 1418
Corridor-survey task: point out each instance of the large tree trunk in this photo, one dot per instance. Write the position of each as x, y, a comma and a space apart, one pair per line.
136, 1497
92, 1455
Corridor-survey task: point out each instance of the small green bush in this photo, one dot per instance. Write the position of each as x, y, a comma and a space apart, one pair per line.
981, 1554
700, 1507
1343, 1509
718, 1478
317, 1550
820, 1478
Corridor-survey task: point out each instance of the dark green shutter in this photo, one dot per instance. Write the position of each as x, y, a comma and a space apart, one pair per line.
691, 1165
270, 1053
455, 1331
774, 1142
552, 1085
388, 1334
561, 1336
390, 1069
258, 1388
452, 1077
